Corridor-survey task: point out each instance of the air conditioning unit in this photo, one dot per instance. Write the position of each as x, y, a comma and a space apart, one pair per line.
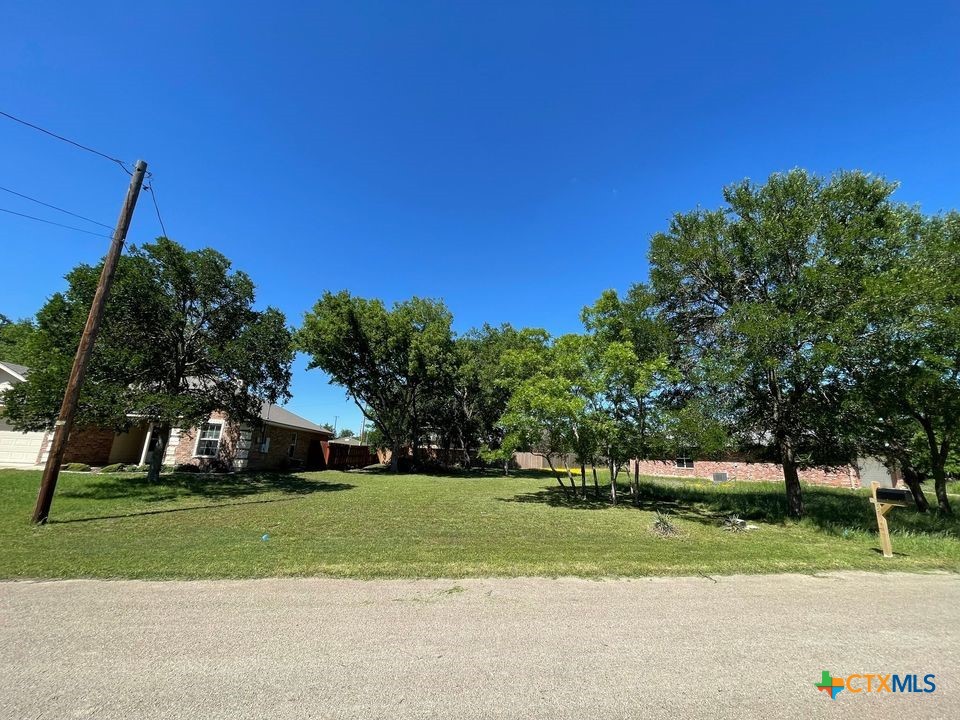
720, 477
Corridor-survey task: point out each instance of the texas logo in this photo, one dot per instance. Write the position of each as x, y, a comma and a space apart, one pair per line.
873, 682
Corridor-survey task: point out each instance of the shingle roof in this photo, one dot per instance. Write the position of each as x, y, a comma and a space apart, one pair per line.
276, 415
18, 369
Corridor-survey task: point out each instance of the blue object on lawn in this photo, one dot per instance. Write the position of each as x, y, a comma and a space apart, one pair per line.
265, 537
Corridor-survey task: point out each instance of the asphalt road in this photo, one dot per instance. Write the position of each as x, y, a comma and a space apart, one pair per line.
733, 647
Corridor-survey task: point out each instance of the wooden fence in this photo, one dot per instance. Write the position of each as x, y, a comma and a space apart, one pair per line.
343, 456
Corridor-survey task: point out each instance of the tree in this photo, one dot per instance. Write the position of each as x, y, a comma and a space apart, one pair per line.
626, 353
756, 294
482, 377
346, 433
391, 362
541, 417
180, 340
14, 340
907, 359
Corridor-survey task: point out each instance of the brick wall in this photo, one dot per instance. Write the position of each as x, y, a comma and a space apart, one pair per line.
183, 444
89, 445
846, 476
240, 447
281, 438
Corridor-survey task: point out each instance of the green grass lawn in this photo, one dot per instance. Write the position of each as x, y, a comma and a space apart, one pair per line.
374, 525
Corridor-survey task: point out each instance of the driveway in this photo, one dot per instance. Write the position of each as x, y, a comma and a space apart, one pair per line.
729, 647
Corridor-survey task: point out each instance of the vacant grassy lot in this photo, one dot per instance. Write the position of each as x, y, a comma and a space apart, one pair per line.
374, 525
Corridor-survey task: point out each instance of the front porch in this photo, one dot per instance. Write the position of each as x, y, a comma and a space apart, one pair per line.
134, 447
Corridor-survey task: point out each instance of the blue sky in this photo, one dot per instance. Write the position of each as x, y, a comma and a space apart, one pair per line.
512, 158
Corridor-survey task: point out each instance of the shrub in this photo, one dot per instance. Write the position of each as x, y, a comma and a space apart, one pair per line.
75, 467
663, 526
116, 467
733, 523
186, 468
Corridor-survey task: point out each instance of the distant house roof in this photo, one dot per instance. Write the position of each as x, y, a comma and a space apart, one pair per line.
18, 371
276, 415
347, 441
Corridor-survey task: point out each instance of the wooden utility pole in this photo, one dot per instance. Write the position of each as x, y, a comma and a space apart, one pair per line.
62, 427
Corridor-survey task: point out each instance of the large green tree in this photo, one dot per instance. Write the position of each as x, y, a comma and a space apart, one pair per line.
480, 384
756, 292
544, 416
626, 348
180, 339
392, 362
906, 362
14, 340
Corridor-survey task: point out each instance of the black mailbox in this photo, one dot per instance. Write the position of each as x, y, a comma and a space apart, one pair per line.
894, 496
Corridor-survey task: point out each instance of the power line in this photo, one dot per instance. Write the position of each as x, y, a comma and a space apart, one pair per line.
51, 222
54, 207
68, 140
153, 195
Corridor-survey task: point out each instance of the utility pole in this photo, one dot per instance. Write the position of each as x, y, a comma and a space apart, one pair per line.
61, 430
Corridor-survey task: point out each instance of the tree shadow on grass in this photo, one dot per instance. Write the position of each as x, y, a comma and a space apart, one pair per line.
142, 513
202, 485
833, 510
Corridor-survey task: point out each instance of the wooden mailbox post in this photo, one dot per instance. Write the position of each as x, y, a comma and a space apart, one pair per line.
884, 500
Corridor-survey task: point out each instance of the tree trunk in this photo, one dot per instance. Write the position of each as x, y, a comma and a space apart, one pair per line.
636, 483
573, 483
938, 457
160, 449
583, 479
596, 483
559, 479
506, 468
395, 458
940, 487
463, 447
415, 449
913, 482
791, 478
613, 485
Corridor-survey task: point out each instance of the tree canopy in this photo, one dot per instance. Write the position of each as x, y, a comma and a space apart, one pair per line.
906, 363
14, 340
180, 339
807, 321
757, 293
391, 362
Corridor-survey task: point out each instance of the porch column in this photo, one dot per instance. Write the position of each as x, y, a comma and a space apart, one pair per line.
146, 445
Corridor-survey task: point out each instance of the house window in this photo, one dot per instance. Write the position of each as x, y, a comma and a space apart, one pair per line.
264, 443
208, 441
292, 450
684, 461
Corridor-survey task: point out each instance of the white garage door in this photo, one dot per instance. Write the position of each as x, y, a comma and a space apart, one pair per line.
17, 448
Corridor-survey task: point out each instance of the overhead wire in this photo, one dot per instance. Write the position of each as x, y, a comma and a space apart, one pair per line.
54, 207
51, 222
150, 187
89, 149
153, 196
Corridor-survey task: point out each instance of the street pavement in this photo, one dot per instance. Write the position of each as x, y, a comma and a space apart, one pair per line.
683, 648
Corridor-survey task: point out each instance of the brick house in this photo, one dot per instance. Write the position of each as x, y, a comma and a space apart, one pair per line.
280, 440
861, 474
